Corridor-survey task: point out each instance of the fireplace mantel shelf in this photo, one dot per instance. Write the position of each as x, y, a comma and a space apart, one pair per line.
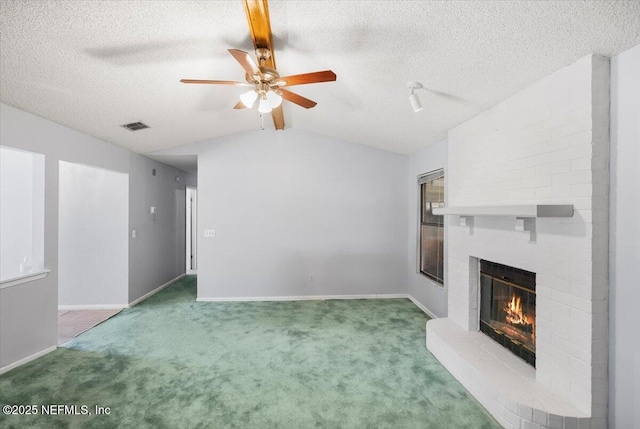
521, 213
517, 211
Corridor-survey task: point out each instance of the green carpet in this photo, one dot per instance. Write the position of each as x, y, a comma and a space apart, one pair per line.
171, 362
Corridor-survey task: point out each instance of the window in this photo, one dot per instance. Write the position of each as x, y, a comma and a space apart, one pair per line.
21, 213
431, 235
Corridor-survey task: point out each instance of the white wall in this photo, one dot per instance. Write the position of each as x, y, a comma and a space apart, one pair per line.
289, 204
93, 244
21, 211
624, 278
28, 312
429, 293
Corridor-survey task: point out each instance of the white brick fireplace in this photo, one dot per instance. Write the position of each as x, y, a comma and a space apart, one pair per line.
547, 144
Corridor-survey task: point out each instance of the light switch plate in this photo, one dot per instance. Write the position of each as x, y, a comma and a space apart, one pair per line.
209, 233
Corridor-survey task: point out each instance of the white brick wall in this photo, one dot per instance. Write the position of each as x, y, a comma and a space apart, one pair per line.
548, 144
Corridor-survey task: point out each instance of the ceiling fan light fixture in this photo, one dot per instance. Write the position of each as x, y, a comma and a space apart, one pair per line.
264, 106
249, 98
273, 99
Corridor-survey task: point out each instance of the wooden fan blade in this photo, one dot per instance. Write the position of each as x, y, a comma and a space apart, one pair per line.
297, 99
246, 62
215, 82
257, 12
240, 105
301, 79
260, 25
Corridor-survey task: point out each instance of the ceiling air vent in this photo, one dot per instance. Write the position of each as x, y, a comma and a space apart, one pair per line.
135, 126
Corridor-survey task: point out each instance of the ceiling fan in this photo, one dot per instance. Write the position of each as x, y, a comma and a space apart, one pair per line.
267, 84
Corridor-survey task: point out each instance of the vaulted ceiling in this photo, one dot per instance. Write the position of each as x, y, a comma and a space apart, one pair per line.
94, 65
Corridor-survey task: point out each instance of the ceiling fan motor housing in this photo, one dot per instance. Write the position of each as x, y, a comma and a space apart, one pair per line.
267, 75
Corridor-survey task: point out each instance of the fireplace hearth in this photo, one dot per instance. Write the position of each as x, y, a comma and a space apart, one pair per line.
508, 308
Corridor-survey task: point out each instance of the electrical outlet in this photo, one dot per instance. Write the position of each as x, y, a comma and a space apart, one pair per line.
208, 233
312, 277
133, 233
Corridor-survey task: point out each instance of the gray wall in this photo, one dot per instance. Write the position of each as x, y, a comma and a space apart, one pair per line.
624, 264
289, 204
157, 254
28, 312
429, 293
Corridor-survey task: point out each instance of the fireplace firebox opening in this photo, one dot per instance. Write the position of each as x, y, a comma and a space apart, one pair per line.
508, 308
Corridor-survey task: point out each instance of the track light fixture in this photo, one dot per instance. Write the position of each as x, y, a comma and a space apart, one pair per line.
413, 98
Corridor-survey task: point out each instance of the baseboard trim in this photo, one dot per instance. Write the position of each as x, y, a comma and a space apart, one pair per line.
300, 297
26, 359
156, 290
320, 298
92, 307
422, 307
120, 306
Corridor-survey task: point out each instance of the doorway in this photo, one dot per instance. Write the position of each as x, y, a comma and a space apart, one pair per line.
192, 230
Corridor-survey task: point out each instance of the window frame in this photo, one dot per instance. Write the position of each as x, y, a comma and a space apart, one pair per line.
34, 269
421, 180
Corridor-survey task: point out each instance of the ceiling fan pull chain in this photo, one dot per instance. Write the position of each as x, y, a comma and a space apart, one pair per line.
262, 120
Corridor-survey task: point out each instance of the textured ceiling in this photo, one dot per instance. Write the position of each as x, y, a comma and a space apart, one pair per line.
97, 64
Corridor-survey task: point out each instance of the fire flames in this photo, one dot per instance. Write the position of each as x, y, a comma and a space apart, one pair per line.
514, 312
518, 324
